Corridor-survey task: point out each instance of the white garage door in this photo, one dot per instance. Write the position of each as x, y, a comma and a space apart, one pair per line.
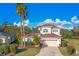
52, 43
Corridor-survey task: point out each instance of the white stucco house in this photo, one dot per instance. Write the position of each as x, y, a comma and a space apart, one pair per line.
6, 38
50, 35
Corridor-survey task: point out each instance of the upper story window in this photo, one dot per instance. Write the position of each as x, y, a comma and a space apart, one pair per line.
45, 30
55, 30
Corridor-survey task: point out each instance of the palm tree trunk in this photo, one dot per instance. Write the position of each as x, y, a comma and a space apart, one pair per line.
23, 34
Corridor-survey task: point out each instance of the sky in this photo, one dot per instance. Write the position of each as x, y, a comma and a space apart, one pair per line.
64, 15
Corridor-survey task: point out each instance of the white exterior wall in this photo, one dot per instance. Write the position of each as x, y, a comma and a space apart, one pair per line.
25, 39
57, 32
28, 38
3, 40
59, 40
48, 28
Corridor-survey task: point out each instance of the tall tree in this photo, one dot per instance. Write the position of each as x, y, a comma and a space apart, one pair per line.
21, 10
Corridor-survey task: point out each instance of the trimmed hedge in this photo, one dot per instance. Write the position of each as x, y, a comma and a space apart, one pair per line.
13, 48
4, 49
1, 49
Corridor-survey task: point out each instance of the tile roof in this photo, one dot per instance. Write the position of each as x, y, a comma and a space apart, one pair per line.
47, 25
50, 35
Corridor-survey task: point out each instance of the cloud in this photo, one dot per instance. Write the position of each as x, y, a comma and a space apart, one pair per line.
66, 23
57, 22
46, 21
75, 20
60, 26
26, 22
71, 27
14, 23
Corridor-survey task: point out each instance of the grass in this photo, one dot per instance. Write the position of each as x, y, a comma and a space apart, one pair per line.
29, 52
64, 51
74, 43
71, 42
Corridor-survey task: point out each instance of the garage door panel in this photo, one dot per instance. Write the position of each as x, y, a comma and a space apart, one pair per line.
51, 43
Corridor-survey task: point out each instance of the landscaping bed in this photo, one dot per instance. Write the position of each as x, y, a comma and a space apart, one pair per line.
29, 52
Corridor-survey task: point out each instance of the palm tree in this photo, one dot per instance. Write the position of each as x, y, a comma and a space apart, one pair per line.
21, 10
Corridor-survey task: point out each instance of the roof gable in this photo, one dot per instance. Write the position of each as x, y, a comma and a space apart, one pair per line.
48, 25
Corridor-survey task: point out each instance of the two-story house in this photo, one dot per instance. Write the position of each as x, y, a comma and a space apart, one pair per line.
50, 35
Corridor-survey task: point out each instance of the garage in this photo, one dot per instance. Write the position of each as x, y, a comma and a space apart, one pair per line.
51, 43
51, 40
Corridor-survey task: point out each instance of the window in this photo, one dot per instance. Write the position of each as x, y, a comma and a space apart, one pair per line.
45, 30
55, 30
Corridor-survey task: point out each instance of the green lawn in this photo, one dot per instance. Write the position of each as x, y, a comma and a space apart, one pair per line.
64, 51
71, 42
29, 52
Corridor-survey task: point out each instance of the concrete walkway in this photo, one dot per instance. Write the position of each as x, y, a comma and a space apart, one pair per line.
49, 51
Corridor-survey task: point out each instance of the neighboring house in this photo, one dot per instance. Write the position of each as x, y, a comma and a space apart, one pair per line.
6, 37
50, 35
30, 36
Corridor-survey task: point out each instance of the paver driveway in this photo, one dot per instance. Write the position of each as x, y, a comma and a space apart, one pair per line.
49, 51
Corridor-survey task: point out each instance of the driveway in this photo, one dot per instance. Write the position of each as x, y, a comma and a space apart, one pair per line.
49, 51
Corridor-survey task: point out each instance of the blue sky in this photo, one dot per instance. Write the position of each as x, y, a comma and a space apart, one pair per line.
40, 13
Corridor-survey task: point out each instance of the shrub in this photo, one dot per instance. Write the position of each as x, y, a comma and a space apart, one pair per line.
36, 40
13, 48
63, 43
1, 49
4, 49
70, 49
29, 42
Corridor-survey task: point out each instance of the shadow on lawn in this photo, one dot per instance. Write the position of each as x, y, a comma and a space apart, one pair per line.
20, 50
